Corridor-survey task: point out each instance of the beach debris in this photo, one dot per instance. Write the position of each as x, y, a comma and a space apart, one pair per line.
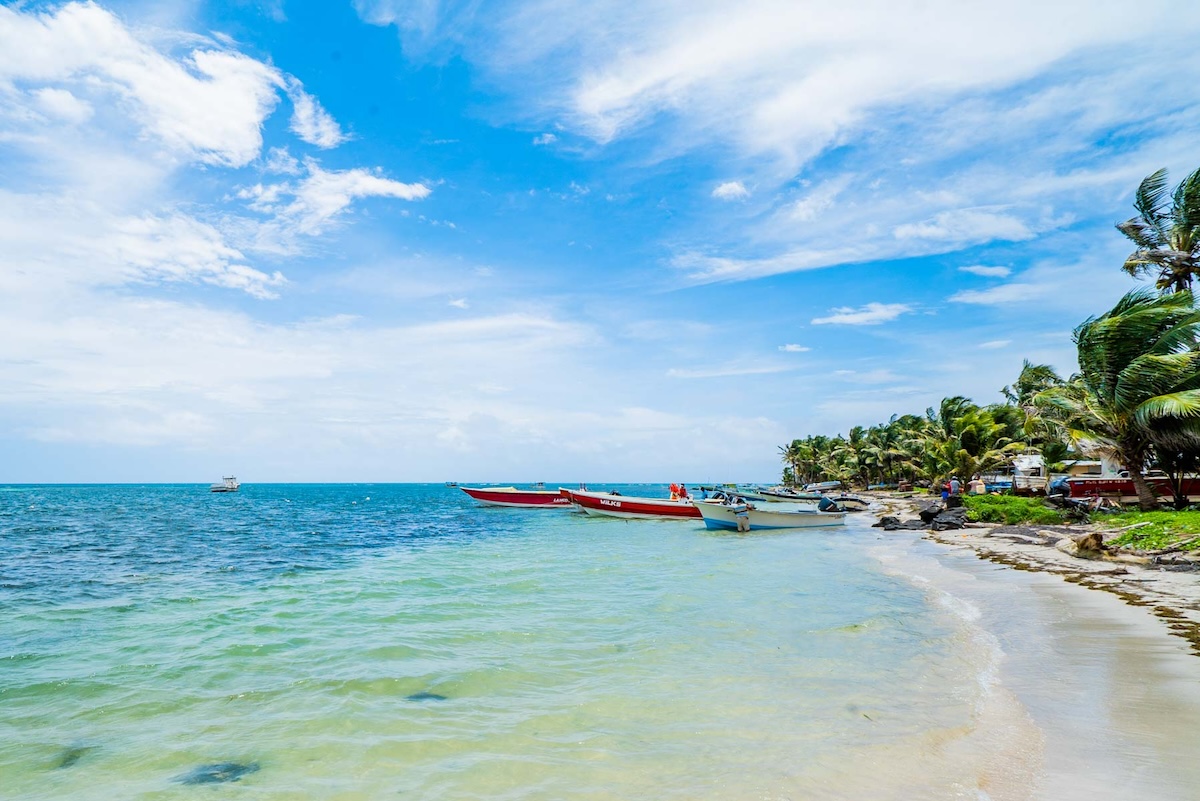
1086, 546
425, 696
69, 756
217, 773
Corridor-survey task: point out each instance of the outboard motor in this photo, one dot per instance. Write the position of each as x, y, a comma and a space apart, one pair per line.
828, 505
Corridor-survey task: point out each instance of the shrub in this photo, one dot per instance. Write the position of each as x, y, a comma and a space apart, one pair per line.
1010, 510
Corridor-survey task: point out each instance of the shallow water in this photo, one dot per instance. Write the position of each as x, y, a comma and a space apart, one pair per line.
362, 641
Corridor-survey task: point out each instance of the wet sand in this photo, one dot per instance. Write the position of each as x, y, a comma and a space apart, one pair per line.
1088, 696
1170, 590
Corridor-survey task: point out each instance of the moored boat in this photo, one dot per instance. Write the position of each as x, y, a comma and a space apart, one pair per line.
511, 496
607, 504
850, 503
786, 494
721, 516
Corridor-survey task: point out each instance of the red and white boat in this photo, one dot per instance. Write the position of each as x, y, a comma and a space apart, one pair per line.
606, 504
511, 496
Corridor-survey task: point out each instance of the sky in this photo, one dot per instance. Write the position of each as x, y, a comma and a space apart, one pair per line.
556, 240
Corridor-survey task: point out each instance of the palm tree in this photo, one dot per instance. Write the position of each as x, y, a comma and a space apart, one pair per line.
1139, 379
1167, 234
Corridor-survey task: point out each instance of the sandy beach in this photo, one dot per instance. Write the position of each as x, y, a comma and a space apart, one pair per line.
1168, 585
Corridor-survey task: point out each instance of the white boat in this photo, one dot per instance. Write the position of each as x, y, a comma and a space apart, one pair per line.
720, 516
775, 494
227, 484
850, 503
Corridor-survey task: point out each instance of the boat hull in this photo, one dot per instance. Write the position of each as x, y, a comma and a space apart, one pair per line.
792, 497
723, 517
1122, 489
525, 499
630, 507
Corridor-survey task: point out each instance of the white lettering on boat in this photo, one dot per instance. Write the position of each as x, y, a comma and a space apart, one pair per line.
605, 502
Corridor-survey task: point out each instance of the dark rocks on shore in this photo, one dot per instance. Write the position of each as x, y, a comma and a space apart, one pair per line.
931, 516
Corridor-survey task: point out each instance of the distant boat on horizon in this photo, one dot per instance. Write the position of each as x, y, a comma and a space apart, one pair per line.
227, 484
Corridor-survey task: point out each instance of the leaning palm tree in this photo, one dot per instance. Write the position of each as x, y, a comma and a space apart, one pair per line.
1166, 231
1139, 376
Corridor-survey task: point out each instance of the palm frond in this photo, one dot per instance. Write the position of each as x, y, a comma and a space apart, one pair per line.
1185, 203
1145, 236
1185, 405
1149, 199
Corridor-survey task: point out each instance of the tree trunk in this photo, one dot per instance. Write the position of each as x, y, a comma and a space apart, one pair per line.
1147, 500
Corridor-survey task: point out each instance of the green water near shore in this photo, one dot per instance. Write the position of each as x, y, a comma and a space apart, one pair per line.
413, 645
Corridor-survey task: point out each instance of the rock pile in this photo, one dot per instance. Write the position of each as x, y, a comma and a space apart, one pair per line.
931, 516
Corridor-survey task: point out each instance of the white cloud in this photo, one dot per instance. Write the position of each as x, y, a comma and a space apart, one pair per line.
984, 270
207, 105
791, 348
731, 190
728, 370
310, 121
995, 344
312, 205
871, 314
52, 242
459, 303
809, 207
1016, 292
62, 105
966, 226
775, 77
545, 139
281, 162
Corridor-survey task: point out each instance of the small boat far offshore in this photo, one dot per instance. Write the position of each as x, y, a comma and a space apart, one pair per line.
511, 496
607, 504
720, 516
227, 484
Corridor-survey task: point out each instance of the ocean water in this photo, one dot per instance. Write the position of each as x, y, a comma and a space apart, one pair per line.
399, 641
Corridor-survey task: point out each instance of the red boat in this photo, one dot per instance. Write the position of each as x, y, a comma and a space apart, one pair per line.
1121, 487
608, 504
511, 496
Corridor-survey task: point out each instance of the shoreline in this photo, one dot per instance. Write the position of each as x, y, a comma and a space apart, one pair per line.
1170, 592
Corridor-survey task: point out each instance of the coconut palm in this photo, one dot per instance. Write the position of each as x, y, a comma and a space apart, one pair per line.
1139, 380
1166, 231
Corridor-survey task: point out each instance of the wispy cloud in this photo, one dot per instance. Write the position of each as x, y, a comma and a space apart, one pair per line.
792, 348
728, 370
310, 121
995, 344
986, 271
314, 203
545, 139
872, 314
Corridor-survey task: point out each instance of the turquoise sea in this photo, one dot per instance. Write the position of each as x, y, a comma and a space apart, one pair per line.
398, 641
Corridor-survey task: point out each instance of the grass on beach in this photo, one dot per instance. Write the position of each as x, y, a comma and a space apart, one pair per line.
1166, 529
1010, 510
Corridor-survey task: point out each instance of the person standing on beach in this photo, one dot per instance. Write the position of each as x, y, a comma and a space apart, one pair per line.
955, 486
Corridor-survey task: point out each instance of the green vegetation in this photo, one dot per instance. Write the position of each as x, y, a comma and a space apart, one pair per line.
1138, 383
1166, 529
1136, 398
1010, 510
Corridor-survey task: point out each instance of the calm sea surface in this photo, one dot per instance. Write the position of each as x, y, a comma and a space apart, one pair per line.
398, 641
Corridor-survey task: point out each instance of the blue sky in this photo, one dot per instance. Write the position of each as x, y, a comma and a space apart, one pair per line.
405, 241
